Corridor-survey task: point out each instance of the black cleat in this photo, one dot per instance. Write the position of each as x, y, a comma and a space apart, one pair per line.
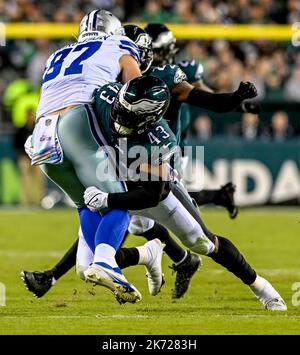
184, 273
225, 197
37, 282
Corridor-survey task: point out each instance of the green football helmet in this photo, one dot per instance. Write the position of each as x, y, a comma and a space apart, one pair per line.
163, 43
140, 103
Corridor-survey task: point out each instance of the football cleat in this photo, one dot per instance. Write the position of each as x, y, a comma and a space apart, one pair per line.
115, 282
39, 283
276, 304
153, 267
184, 273
267, 295
225, 197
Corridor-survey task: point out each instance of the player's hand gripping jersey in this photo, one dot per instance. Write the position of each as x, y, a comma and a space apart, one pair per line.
74, 72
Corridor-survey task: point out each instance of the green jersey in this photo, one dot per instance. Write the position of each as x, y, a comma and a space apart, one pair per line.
192, 69
172, 75
194, 72
156, 146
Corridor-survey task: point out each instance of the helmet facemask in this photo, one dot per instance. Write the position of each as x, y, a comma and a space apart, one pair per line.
144, 43
146, 54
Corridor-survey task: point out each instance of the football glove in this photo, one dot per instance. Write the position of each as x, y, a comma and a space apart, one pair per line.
246, 90
95, 199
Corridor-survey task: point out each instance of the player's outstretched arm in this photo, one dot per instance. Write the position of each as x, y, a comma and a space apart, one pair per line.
216, 102
246, 106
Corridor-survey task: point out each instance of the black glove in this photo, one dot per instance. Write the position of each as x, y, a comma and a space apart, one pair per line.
246, 90
250, 107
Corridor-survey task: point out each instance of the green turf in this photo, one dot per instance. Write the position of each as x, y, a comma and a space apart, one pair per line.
216, 303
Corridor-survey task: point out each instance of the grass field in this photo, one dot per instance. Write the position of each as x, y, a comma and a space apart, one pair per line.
216, 303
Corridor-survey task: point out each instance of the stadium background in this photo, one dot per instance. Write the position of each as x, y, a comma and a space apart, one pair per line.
34, 239
261, 154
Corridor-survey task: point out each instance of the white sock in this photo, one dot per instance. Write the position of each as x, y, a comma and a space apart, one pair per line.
144, 255
105, 253
53, 280
258, 284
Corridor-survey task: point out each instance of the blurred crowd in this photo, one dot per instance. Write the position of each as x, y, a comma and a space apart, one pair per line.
250, 128
179, 11
273, 66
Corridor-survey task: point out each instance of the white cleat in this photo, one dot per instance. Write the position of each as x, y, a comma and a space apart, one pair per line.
117, 283
276, 304
267, 295
153, 266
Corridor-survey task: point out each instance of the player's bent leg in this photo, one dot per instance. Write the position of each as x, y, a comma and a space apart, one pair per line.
104, 270
226, 254
84, 145
171, 213
185, 264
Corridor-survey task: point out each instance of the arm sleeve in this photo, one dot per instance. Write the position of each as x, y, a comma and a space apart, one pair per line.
145, 196
215, 102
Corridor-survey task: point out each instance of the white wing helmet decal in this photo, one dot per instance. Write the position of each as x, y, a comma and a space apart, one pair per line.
140, 106
180, 76
143, 40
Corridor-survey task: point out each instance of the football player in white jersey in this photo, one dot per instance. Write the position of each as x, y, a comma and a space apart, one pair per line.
224, 252
63, 143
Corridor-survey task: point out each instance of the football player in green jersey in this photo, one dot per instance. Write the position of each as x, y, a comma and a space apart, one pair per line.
185, 264
164, 51
131, 112
226, 254
125, 113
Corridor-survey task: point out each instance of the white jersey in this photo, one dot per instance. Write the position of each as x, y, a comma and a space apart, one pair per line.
74, 72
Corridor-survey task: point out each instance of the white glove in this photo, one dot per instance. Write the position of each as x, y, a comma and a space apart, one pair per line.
95, 199
29, 147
